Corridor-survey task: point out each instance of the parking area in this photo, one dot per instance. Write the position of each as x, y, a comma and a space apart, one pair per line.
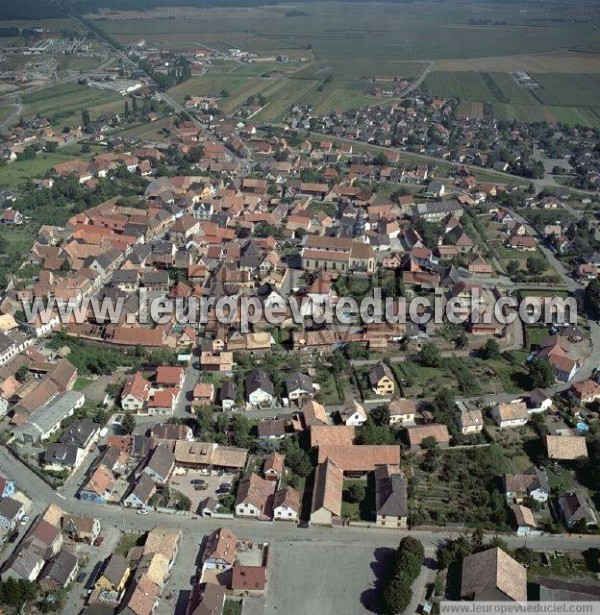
185, 481
342, 582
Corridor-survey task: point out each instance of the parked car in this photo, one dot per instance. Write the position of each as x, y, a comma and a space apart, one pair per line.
142, 511
24, 520
81, 577
200, 483
224, 488
200, 487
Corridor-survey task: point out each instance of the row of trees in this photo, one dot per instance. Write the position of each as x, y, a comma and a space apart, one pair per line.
397, 591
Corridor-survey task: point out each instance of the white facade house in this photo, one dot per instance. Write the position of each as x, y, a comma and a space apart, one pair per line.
514, 414
286, 505
353, 415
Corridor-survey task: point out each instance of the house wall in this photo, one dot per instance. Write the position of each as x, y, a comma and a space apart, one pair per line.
246, 510
284, 513
393, 522
322, 516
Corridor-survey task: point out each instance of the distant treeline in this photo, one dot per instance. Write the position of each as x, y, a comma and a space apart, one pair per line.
31, 9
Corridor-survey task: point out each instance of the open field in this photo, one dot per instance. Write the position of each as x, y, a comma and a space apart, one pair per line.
354, 42
67, 99
556, 62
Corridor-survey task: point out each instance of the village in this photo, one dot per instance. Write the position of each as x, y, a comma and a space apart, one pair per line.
194, 466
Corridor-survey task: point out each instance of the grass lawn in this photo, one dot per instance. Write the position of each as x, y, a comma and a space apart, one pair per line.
534, 335
358, 510
127, 542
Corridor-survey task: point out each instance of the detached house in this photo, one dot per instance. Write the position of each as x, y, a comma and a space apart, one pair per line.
577, 510
286, 504
391, 497
135, 393
259, 388
514, 414
381, 380
255, 498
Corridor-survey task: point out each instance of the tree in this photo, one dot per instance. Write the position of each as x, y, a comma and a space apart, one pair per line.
356, 492
429, 443
397, 595
128, 422
536, 265
22, 373
491, 350
85, 118
51, 146
298, 462
512, 267
430, 355
541, 374
591, 299
380, 415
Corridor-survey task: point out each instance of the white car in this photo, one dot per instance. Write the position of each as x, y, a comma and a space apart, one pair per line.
142, 511
24, 520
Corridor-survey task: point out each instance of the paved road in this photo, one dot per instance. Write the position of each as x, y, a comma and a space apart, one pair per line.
115, 516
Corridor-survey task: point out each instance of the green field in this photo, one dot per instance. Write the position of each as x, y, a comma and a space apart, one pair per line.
68, 99
355, 32
567, 98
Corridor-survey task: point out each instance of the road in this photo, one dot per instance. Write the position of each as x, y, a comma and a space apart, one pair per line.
115, 516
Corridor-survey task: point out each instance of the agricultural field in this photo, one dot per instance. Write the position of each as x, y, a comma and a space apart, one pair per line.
357, 32
68, 99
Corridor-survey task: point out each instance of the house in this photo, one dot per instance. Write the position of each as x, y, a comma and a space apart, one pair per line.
60, 571
24, 563
402, 411
114, 574
228, 394
585, 392
220, 550
327, 493
160, 464
203, 394
418, 433
514, 414
331, 435
81, 528
141, 597
538, 401
566, 448
11, 512
163, 401
135, 394
273, 466
248, 580
99, 486
358, 460
524, 520
168, 376
298, 385
493, 575
255, 498
391, 497
286, 504
577, 510
468, 420
353, 415
63, 457
259, 388
84, 434
206, 599
143, 489
382, 380
519, 486
313, 413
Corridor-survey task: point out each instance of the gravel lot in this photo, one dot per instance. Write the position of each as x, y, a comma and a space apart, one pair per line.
183, 483
321, 578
